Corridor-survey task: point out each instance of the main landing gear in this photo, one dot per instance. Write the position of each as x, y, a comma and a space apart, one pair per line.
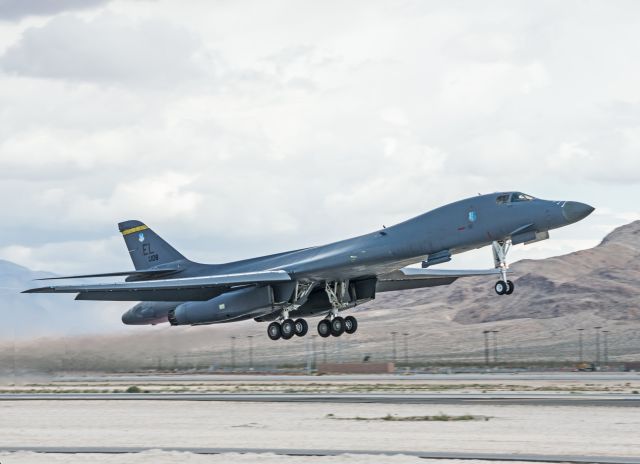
326, 327
337, 326
331, 325
287, 329
500, 250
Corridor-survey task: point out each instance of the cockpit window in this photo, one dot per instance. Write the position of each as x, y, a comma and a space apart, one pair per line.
513, 197
502, 199
519, 196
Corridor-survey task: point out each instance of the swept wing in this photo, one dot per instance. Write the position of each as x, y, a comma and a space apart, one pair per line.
180, 289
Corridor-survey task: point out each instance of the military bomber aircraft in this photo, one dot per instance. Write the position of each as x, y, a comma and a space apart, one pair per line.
285, 288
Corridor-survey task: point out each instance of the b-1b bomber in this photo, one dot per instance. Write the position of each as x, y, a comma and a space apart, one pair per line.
322, 281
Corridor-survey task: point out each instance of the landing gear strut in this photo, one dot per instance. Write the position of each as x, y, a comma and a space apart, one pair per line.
500, 250
333, 324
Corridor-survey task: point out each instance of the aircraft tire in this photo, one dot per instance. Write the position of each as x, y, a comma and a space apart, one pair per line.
288, 329
324, 328
301, 327
501, 287
337, 326
510, 287
274, 331
350, 324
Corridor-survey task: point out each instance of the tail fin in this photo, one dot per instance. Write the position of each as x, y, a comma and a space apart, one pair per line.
146, 247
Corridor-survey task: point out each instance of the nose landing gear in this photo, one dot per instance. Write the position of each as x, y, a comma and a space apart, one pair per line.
503, 287
500, 250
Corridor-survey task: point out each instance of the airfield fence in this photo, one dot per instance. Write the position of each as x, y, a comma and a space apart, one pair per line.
411, 352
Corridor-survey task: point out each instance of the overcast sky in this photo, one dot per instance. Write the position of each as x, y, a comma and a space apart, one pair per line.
237, 128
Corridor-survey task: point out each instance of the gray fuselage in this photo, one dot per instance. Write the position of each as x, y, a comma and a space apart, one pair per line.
446, 228
454, 228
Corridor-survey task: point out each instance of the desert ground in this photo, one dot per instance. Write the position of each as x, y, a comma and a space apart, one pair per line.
474, 383
504, 429
152, 424
170, 457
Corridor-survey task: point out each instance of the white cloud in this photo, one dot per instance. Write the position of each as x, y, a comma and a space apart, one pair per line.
60, 256
107, 48
236, 134
16, 9
610, 157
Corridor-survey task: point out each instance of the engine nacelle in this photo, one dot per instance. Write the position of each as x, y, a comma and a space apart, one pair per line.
148, 312
239, 304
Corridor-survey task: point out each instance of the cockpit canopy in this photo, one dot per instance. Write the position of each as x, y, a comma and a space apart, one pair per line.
513, 197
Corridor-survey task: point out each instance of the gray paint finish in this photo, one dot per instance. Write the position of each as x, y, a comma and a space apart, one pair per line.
382, 255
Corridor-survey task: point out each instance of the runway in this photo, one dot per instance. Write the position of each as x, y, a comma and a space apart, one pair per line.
531, 399
462, 377
545, 458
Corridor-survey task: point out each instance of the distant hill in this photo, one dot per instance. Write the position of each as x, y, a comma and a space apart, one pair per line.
603, 281
36, 315
554, 297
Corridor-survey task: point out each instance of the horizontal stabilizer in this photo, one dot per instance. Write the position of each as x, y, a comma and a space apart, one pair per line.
146, 273
180, 289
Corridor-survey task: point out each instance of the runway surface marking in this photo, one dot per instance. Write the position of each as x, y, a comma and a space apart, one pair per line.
542, 399
546, 458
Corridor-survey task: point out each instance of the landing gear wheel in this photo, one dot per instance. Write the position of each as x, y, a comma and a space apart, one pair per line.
288, 329
350, 324
274, 331
337, 326
324, 328
510, 287
301, 327
501, 287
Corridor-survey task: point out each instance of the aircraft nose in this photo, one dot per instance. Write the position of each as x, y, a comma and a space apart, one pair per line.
573, 211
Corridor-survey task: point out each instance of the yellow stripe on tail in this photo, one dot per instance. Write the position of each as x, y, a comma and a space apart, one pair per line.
133, 230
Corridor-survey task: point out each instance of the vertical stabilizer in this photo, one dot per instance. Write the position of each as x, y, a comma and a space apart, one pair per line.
146, 248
